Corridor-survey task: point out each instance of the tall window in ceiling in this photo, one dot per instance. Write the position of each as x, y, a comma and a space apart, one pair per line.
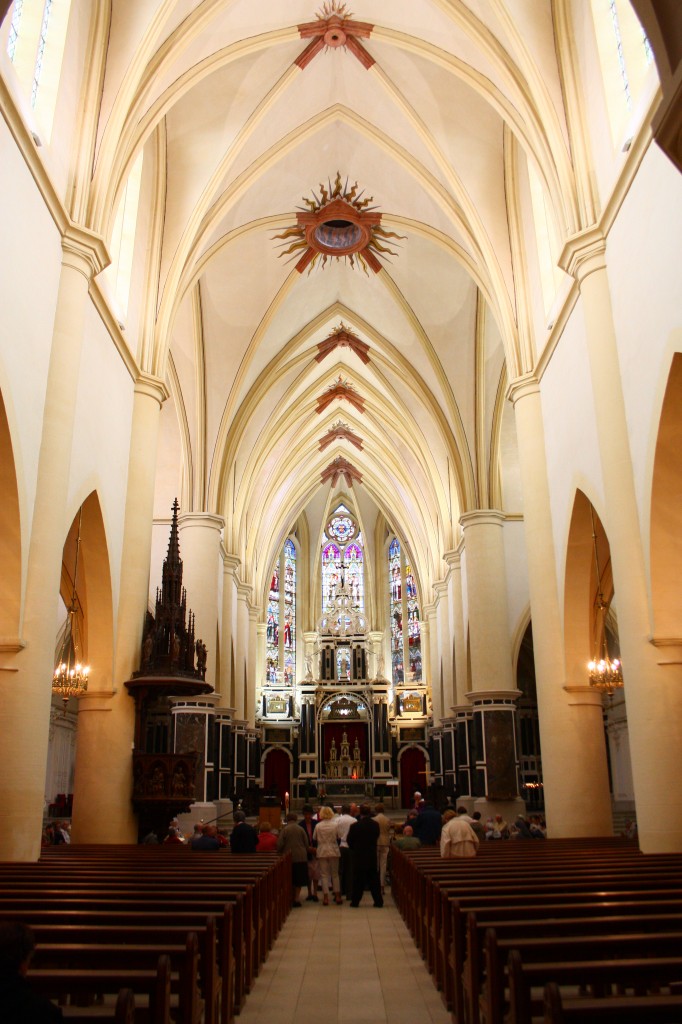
280, 632
36, 42
406, 646
625, 57
343, 558
122, 243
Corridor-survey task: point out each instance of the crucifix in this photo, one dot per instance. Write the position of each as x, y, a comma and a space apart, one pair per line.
427, 773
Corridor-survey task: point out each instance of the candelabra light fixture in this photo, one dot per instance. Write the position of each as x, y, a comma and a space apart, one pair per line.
605, 673
70, 675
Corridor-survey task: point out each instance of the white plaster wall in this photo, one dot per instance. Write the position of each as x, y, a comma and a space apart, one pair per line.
571, 445
101, 443
30, 267
645, 276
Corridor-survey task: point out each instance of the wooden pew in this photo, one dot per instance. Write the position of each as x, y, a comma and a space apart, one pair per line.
602, 975
616, 1010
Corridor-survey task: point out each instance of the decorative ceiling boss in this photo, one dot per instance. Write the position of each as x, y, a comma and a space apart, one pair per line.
340, 224
334, 28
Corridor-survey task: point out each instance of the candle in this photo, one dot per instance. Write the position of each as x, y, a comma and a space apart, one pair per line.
286, 802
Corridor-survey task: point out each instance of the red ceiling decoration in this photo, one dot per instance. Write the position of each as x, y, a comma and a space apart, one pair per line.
341, 467
340, 432
339, 224
339, 337
340, 389
334, 27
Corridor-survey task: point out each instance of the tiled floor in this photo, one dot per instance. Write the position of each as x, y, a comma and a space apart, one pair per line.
340, 965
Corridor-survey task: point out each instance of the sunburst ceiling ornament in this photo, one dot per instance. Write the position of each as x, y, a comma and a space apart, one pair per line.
334, 28
340, 432
340, 389
341, 336
341, 467
339, 224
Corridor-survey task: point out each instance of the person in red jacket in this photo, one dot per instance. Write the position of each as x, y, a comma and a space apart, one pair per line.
267, 840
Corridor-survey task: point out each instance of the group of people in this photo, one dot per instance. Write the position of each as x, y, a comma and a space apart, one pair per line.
56, 833
344, 853
459, 833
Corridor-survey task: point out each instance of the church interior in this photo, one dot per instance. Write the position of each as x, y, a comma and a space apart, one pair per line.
384, 488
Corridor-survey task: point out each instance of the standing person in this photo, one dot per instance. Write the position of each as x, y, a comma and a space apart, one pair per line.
326, 842
383, 844
427, 825
343, 823
244, 837
308, 826
293, 840
20, 1004
363, 837
458, 839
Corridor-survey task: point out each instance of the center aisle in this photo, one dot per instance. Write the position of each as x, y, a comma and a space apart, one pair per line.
344, 966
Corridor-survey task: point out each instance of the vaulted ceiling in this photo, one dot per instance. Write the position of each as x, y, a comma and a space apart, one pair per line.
427, 112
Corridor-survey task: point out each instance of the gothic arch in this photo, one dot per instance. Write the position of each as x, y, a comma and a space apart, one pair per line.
581, 585
10, 536
666, 516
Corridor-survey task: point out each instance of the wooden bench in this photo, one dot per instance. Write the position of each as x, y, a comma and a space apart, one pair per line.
601, 975
616, 1010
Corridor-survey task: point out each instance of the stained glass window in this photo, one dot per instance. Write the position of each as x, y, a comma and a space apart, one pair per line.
331, 573
14, 28
406, 647
41, 51
289, 629
396, 606
354, 575
280, 628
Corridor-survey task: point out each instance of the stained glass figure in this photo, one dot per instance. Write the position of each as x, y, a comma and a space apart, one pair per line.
331, 573
396, 611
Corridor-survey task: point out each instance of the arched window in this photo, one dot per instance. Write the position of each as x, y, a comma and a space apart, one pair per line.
406, 648
343, 559
280, 631
625, 57
36, 42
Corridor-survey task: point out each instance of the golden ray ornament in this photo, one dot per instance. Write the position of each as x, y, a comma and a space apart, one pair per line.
339, 224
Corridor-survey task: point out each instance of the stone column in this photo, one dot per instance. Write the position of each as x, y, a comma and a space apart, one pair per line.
443, 647
26, 703
102, 811
494, 694
251, 661
430, 662
460, 687
242, 650
577, 801
228, 654
652, 668
199, 536
261, 629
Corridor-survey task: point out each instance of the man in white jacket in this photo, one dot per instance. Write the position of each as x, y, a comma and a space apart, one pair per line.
458, 839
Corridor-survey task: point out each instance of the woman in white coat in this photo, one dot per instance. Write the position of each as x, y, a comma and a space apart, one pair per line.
325, 838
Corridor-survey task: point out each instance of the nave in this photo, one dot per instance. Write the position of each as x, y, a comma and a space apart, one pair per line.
345, 965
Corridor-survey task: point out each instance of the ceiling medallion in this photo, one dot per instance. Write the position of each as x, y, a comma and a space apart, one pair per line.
340, 389
341, 336
341, 467
340, 431
340, 224
334, 27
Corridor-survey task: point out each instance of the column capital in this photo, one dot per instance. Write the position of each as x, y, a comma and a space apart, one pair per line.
670, 648
231, 563
84, 251
584, 253
453, 559
204, 519
583, 694
482, 517
152, 387
440, 589
523, 387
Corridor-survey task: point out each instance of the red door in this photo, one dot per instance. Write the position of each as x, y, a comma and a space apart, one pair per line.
277, 773
412, 774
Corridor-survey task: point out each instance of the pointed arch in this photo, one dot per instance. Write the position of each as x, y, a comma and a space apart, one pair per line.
666, 511
10, 536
